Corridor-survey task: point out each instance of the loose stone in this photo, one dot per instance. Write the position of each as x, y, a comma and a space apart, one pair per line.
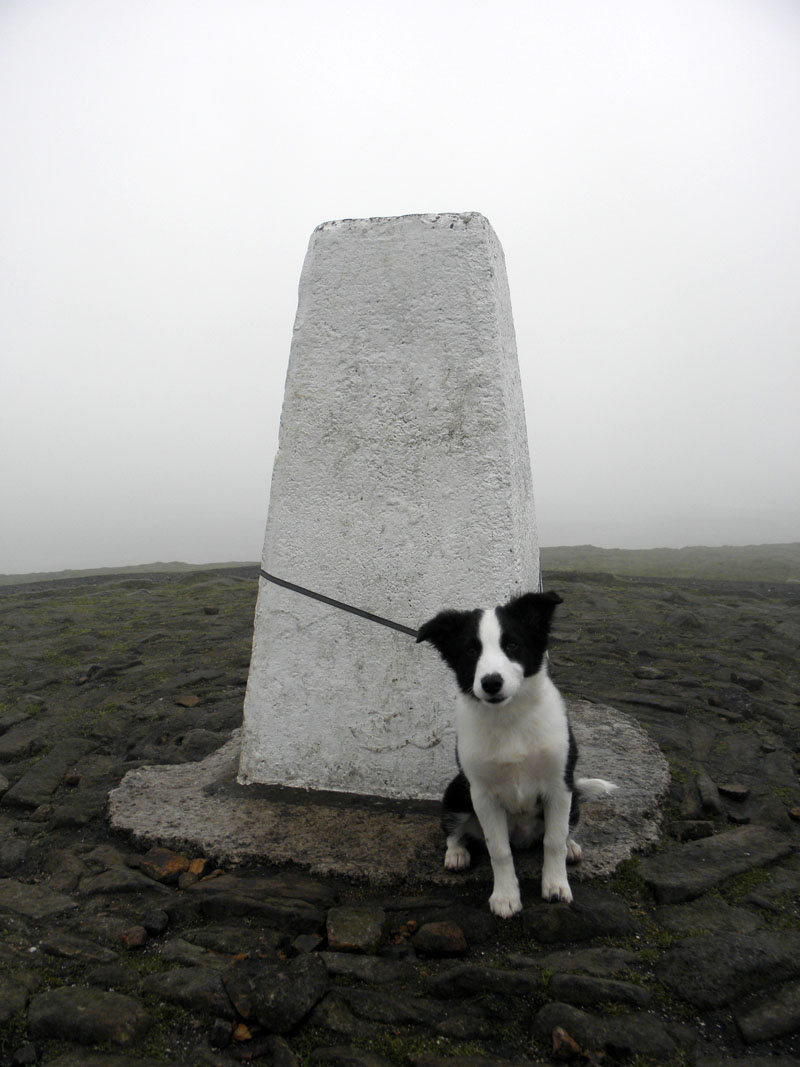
775, 1016
278, 996
713, 970
688, 870
356, 928
621, 1036
440, 939
67, 946
134, 937
588, 992
196, 988
370, 969
87, 1016
163, 865
592, 914
466, 979
32, 901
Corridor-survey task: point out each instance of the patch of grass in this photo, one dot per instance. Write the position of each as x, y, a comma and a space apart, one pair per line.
787, 794
628, 882
741, 885
13, 1034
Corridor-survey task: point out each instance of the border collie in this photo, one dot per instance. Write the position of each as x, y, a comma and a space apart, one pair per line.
515, 750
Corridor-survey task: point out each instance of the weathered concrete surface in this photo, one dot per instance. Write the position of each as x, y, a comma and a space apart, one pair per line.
401, 486
200, 807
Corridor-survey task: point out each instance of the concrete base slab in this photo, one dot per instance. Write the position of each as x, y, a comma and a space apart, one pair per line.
200, 808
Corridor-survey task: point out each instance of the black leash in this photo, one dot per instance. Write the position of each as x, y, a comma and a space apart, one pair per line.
338, 604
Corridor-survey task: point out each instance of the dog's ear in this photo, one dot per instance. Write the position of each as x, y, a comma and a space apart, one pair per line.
534, 609
441, 629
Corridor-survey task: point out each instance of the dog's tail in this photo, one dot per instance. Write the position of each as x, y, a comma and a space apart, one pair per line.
593, 788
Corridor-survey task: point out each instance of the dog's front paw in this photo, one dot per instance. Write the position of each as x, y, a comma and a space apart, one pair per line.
556, 889
574, 852
505, 904
456, 858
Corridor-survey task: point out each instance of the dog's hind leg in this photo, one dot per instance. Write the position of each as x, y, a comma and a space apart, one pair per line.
457, 857
459, 823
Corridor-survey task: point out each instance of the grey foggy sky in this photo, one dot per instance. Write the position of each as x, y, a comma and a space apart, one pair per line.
164, 164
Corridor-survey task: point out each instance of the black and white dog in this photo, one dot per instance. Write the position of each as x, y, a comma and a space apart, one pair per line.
516, 753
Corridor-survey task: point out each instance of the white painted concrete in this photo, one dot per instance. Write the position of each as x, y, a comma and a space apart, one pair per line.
402, 485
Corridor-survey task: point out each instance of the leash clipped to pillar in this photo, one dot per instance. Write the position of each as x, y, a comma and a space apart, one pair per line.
339, 604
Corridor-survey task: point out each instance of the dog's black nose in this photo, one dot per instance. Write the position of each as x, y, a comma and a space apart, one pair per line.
492, 684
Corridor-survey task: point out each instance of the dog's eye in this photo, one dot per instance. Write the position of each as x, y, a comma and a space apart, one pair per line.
473, 651
511, 646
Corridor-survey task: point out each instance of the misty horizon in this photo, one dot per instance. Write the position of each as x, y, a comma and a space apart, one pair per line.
165, 166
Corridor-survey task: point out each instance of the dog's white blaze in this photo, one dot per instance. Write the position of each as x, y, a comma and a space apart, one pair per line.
493, 660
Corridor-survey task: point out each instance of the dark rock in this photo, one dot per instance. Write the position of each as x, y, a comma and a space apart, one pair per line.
304, 943
348, 1056
478, 924
620, 1036
113, 976
13, 998
333, 1015
119, 880
370, 969
747, 681
706, 916
22, 741
588, 992
733, 701
775, 1016
715, 969
190, 955
155, 922
600, 961
356, 928
134, 937
650, 673
685, 871
734, 791
709, 794
694, 829
32, 901
26, 1055
257, 898
66, 870
41, 780
68, 947
13, 853
467, 979
278, 995
592, 914
87, 1016
196, 988
163, 865
220, 1034
427, 1060
440, 939
239, 940
105, 1059
390, 1008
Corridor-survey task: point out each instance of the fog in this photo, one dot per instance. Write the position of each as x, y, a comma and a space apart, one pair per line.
164, 164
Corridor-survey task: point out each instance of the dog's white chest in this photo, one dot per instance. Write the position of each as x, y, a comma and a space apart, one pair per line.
517, 758
518, 784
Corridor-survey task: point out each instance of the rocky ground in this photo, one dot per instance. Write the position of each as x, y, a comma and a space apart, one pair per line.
111, 955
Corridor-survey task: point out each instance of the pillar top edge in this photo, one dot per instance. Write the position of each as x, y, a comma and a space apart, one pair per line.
442, 220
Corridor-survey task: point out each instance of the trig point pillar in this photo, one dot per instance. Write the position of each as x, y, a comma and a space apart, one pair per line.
401, 486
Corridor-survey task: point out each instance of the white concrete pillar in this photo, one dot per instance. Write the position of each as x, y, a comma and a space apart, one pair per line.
401, 486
